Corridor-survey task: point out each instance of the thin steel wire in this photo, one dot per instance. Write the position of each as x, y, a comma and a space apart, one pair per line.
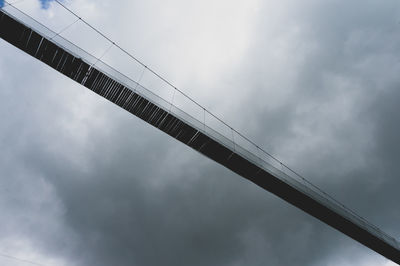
140, 78
172, 101
233, 140
103, 54
20, 260
64, 29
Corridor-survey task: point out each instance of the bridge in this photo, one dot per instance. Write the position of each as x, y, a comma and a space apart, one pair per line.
201, 130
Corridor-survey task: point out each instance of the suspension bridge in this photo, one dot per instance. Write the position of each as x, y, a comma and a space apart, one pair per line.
187, 121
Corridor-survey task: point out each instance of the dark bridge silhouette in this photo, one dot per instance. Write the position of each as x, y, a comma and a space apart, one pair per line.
34, 39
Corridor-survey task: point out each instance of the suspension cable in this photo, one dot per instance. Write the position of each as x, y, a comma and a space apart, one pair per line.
65, 28
207, 111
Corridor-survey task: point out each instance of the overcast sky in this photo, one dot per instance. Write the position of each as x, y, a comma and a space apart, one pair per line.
83, 182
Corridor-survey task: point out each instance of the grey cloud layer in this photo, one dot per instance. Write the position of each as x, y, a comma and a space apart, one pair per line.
86, 183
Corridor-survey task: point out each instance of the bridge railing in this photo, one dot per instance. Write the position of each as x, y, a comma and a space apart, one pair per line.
126, 69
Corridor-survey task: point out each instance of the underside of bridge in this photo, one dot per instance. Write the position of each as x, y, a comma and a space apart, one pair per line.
69, 64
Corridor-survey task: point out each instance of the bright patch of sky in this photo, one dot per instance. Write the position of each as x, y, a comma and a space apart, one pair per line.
44, 3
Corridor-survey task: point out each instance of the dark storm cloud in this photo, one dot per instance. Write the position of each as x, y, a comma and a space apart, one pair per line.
32, 213
115, 191
338, 119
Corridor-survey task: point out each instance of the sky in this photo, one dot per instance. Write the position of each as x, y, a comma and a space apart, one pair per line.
316, 83
44, 3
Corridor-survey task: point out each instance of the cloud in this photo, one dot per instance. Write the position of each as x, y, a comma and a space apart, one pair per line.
85, 183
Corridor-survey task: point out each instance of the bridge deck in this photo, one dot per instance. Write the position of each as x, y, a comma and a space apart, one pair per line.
186, 129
